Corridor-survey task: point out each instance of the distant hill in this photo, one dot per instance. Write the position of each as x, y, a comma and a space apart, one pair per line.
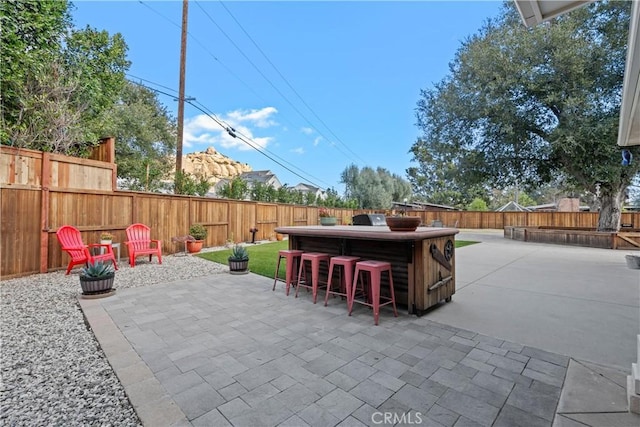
212, 164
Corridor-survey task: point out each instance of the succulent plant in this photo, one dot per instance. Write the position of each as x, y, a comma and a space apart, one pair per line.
239, 252
97, 269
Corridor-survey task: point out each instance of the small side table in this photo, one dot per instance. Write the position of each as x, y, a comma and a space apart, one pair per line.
114, 246
183, 240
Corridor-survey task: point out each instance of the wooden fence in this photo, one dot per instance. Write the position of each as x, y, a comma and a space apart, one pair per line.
39, 192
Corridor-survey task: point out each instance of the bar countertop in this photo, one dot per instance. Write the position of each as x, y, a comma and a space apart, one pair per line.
367, 232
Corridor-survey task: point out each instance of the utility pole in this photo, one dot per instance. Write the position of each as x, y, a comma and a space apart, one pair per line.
183, 56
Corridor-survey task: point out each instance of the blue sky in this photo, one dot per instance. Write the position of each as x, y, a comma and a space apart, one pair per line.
352, 72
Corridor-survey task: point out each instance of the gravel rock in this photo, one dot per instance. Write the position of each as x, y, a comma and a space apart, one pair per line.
53, 370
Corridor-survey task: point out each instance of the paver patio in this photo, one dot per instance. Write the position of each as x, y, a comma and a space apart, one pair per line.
226, 350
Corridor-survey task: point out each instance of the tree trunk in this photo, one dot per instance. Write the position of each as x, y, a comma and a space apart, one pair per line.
610, 209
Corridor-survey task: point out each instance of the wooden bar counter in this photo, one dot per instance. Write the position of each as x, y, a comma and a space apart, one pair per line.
423, 261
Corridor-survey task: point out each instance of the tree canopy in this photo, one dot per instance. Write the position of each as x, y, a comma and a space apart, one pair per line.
63, 89
374, 189
145, 138
57, 82
526, 106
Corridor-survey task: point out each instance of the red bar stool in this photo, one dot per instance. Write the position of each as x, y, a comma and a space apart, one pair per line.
375, 269
292, 258
314, 258
347, 263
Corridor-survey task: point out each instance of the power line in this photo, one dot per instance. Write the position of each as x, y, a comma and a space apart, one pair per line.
204, 47
271, 83
246, 85
287, 81
273, 154
187, 99
252, 90
232, 132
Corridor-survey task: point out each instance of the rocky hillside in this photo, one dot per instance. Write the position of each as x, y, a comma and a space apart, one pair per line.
213, 165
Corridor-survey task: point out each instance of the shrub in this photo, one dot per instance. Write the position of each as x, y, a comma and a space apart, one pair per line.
198, 231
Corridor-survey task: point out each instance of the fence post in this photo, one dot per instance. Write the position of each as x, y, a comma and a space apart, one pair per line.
44, 211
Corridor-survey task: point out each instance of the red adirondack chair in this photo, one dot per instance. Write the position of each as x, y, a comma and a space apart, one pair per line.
140, 243
71, 241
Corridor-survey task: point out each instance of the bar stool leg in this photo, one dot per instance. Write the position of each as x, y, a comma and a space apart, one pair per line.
375, 295
329, 279
301, 271
393, 296
315, 276
275, 279
289, 273
352, 294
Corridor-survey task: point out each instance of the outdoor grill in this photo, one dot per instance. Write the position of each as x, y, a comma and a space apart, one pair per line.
369, 219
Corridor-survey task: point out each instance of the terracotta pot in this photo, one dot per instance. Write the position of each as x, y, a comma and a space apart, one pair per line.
194, 246
403, 223
279, 237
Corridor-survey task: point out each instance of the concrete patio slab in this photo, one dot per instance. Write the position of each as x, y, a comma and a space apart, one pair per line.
582, 302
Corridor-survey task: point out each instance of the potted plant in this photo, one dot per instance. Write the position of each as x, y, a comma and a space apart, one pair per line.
106, 238
97, 278
199, 233
403, 222
326, 218
239, 260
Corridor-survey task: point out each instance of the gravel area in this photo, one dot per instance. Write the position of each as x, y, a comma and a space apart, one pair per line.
53, 370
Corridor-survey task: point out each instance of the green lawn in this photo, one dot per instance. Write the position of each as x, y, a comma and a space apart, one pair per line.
263, 257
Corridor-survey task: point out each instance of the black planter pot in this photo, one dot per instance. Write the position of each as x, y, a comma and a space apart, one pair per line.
238, 266
97, 285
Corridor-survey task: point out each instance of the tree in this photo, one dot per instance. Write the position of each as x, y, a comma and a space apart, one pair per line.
374, 189
31, 33
259, 192
57, 83
284, 195
530, 105
47, 118
192, 185
98, 62
477, 205
310, 198
237, 189
145, 135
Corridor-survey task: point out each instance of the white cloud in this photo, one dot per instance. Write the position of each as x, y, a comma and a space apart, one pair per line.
203, 131
298, 150
306, 131
260, 118
317, 141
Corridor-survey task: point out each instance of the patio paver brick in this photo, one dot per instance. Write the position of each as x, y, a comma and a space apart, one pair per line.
270, 368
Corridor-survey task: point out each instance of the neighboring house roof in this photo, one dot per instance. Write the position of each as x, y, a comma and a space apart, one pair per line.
265, 177
306, 188
513, 207
544, 207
